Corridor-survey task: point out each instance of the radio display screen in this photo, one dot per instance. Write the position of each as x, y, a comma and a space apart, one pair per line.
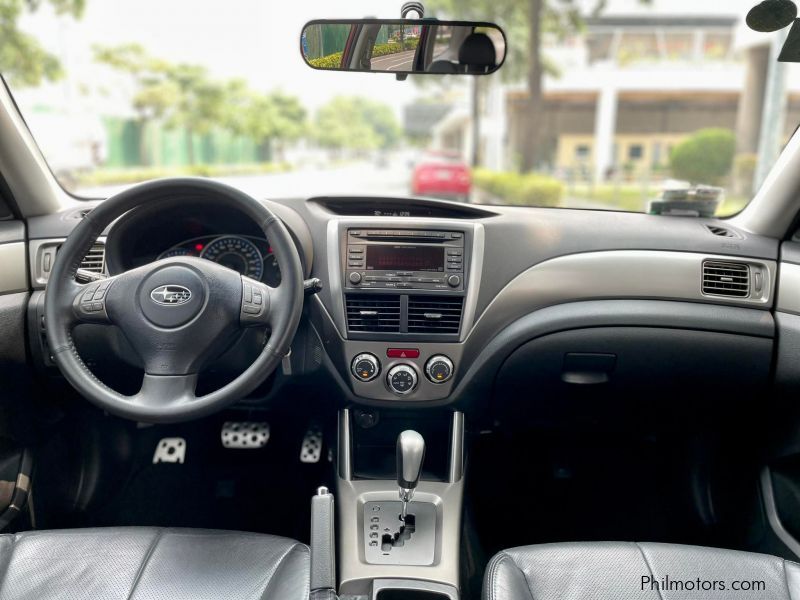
405, 258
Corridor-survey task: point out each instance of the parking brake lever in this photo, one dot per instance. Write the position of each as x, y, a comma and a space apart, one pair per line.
323, 546
410, 454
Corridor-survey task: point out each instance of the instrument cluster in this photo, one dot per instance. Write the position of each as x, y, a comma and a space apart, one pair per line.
248, 255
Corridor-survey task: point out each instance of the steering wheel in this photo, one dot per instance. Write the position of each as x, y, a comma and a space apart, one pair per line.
175, 312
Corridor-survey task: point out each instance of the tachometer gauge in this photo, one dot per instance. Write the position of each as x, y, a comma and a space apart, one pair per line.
175, 252
236, 253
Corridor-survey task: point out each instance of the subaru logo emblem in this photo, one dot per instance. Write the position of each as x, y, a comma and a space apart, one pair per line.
171, 295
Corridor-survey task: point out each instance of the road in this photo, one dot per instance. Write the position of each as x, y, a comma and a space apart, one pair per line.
362, 179
401, 61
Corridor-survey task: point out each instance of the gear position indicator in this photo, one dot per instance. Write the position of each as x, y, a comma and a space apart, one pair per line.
389, 541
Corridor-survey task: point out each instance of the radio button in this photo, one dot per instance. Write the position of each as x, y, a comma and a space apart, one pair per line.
454, 281
355, 278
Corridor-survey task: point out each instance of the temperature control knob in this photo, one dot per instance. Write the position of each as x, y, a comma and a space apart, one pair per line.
402, 379
365, 367
439, 369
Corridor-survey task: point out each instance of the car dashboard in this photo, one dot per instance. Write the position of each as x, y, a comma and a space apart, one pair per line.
433, 303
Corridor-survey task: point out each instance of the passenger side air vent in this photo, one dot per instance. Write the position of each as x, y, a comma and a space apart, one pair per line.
95, 259
373, 314
723, 231
722, 278
434, 314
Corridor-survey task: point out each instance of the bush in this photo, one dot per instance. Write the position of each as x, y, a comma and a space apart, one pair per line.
523, 190
334, 61
119, 176
331, 61
704, 158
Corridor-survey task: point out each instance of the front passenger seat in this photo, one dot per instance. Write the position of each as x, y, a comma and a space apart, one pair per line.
154, 564
610, 571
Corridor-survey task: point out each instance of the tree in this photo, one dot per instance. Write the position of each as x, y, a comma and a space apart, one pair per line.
23, 60
155, 93
354, 123
274, 118
182, 95
526, 22
705, 158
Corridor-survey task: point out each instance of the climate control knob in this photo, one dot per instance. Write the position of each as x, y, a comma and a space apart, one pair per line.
365, 367
402, 379
439, 369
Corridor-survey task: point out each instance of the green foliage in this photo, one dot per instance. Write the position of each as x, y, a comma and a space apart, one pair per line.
185, 96
334, 61
331, 61
355, 123
525, 190
23, 60
104, 177
704, 158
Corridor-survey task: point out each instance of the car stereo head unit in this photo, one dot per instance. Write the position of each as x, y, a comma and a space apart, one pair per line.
409, 259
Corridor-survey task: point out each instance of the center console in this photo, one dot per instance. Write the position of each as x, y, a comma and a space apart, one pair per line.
399, 498
404, 298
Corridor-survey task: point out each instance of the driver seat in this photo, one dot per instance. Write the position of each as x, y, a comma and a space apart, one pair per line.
141, 562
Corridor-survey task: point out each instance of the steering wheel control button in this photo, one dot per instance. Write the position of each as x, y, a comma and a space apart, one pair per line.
402, 353
355, 278
172, 296
402, 379
254, 301
439, 369
365, 367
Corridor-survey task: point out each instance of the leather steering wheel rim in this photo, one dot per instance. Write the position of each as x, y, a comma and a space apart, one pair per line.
192, 302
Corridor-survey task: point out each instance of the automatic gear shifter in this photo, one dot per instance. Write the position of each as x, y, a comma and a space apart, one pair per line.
410, 454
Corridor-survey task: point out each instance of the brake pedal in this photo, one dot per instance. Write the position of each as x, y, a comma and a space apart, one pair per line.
311, 450
170, 450
245, 435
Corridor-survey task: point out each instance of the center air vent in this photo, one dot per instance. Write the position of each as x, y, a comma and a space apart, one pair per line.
722, 278
434, 314
373, 313
95, 259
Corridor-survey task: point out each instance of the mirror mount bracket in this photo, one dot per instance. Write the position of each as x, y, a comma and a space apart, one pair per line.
409, 7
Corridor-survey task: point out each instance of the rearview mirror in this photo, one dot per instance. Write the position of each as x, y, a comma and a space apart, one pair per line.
404, 46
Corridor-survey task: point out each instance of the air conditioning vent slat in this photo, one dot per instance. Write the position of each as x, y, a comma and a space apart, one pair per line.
95, 259
729, 279
432, 314
373, 314
723, 231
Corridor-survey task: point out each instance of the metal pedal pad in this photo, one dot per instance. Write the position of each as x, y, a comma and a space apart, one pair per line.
245, 435
311, 450
170, 450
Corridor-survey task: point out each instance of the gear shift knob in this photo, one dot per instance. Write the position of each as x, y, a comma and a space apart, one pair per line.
410, 454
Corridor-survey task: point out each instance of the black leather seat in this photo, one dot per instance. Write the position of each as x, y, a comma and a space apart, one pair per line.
615, 571
150, 563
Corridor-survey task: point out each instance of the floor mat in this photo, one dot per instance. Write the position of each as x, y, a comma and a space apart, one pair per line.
265, 490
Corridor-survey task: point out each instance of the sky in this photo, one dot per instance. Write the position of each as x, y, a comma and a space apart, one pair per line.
257, 40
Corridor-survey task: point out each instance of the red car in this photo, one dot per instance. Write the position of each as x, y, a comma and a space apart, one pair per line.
442, 176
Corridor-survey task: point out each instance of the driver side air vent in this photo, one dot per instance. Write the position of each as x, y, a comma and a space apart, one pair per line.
373, 314
434, 314
722, 278
95, 259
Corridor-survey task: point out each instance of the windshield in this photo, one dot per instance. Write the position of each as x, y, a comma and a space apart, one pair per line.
659, 106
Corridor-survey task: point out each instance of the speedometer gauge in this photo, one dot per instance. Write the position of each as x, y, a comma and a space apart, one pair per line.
236, 253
